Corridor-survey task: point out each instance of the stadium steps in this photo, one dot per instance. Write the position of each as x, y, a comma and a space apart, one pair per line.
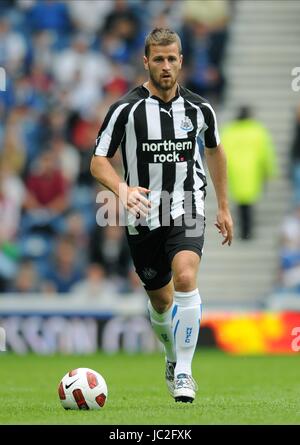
262, 50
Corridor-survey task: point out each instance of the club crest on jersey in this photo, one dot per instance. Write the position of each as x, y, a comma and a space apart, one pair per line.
186, 124
149, 273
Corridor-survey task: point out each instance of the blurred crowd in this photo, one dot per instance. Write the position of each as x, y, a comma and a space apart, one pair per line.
289, 265
66, 62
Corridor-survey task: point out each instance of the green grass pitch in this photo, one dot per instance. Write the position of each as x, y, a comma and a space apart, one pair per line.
232, 390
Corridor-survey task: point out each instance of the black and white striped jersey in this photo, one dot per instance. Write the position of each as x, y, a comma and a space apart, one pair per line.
159, 144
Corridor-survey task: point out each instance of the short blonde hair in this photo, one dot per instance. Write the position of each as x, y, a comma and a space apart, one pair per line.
163, 37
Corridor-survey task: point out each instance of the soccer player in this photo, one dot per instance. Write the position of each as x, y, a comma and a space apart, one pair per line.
157, 126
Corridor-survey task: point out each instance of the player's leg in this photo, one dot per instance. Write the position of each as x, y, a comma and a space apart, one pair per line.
186, 321
161, 306
154, 269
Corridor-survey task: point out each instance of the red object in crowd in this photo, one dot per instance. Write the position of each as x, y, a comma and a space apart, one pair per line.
46, 188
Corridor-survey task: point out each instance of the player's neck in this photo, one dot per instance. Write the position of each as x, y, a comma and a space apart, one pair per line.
165, 95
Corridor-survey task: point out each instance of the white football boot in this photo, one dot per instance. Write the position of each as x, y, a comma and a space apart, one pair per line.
185, 388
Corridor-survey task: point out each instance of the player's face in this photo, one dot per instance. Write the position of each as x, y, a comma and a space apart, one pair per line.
163, 64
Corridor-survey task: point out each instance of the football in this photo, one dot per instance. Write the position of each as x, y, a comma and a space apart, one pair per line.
83, 388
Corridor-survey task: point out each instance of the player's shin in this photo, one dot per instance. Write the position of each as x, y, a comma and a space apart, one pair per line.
162, 326
186, 325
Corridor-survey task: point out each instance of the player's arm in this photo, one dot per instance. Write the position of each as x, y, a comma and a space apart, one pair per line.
216, 163
132, 198
108, 140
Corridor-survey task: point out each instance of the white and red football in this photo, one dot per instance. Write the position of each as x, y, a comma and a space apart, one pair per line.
83, 388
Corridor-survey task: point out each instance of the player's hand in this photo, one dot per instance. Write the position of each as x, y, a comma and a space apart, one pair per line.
134, 200
225, 225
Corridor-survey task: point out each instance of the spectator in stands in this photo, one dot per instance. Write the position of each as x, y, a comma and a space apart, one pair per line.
13, 151
133, 284
204, 40
120, 35
26, 280
295, 160
289, 275
13, 48
67, 157
251, 162
92, 22
46, 186
82, 135
11, 198
65, 270
108, 247
26, 125
55, 123
117, 84
47, 197
42, 49
82, 72
166, 14
50, 15
12, 195
75, 226
95, 285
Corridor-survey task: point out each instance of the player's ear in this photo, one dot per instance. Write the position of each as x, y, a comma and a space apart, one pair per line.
181, 60
146, 63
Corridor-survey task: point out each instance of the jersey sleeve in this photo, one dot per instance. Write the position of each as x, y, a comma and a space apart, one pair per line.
211, 134
112, 131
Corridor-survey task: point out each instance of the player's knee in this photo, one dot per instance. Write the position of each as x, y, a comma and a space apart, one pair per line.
185, 280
